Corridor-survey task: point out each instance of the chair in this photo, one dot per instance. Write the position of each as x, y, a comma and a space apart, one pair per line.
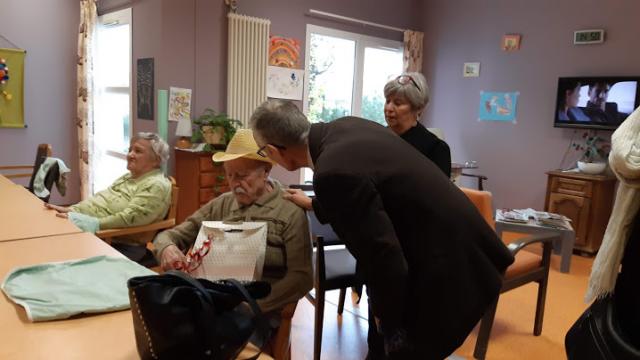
44, 151
280, 343
168, 222
527, 267
334, 269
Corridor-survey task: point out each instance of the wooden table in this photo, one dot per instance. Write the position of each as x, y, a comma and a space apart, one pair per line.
100, 336
23, 216
106, 336
4, 181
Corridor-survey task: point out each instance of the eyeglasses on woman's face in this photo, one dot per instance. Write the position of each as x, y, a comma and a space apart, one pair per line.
405, 79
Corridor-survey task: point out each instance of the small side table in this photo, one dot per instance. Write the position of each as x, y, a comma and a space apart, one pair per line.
564, 247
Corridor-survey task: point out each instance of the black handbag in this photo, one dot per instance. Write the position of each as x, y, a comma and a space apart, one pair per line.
178, 317
597, 335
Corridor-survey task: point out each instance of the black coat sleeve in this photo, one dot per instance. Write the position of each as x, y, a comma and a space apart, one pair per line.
354, 207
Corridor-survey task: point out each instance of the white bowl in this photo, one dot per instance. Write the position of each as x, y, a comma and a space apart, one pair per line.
592, 168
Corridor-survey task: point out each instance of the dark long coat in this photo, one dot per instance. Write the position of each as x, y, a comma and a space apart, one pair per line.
431, 262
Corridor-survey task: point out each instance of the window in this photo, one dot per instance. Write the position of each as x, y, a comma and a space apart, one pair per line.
112, 107
346, 74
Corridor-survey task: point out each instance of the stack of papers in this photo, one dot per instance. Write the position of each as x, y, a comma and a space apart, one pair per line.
540, 218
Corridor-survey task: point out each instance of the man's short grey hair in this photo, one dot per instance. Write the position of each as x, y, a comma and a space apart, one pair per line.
417, 98
158, 145
280, 122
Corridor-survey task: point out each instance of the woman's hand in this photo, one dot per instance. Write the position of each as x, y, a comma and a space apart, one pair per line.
172, 258
299, 198
60, 209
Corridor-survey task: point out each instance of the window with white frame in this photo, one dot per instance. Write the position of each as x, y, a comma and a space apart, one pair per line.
112, 105
346, 74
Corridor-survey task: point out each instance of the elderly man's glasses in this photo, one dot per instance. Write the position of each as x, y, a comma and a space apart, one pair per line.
262, 152
405, 79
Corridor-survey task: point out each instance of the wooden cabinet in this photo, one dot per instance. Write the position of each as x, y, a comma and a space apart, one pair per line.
585, 199
200, 180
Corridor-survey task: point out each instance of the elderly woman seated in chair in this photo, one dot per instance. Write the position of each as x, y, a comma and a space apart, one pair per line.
139, 197
253, 197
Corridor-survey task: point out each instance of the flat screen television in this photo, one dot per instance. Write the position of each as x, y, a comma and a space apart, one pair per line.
595, 102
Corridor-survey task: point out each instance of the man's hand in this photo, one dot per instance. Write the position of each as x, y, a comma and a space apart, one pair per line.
60, 209
299, 198
172, 258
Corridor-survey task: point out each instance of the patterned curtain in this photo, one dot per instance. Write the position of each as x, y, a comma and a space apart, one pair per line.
84, 116
412, 56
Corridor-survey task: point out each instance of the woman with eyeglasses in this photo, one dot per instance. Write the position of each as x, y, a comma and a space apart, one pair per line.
406, 97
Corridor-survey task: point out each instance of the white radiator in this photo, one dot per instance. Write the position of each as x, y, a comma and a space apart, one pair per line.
248, 51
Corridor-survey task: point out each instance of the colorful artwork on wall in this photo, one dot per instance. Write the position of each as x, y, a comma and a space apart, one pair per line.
12, 88
284, 52
179, 104
498, 106
144, 82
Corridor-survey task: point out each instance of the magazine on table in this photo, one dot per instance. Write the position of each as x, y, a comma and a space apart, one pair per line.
540, 218
229, 251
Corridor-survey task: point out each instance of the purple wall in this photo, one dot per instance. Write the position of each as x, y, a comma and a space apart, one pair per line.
48, 30
188, 40
288, 19
516, 156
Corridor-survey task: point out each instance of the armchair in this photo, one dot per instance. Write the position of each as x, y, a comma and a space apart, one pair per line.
527, 267
14, 171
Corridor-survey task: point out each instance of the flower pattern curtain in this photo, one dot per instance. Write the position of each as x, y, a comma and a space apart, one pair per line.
412, 57
84, 114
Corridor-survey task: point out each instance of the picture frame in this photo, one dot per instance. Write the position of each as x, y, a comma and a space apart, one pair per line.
471, 69
145, 88
511, 42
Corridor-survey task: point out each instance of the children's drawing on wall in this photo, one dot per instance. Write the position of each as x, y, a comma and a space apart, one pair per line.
179, 104
145, 91
498, 106
284, 52
283, 83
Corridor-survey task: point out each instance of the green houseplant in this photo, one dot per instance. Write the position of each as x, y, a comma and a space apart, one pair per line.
214, 128
595, 151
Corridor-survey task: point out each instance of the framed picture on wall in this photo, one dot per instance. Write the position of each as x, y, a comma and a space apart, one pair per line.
144, 93
511, 42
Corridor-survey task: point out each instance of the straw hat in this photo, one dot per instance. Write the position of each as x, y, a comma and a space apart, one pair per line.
241, 145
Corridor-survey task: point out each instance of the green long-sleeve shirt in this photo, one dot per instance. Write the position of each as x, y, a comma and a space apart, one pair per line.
129, 202
287, 264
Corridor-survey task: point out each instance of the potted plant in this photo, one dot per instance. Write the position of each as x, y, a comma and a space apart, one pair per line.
595, 151
214, 128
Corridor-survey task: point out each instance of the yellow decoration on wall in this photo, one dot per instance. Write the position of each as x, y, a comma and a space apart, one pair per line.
12, 90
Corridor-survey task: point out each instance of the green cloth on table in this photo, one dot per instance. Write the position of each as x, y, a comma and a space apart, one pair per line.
59, 290
129, 202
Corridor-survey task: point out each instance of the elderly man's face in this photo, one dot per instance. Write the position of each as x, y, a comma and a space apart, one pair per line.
247, 179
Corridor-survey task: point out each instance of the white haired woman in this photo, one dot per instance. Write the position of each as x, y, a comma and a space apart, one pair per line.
139, 197
406, 97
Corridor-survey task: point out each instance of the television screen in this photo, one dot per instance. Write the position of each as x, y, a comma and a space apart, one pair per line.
595, 102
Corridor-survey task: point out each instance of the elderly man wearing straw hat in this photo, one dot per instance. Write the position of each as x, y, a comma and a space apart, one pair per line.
253, 196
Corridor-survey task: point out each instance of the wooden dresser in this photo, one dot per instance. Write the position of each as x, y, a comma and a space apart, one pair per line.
199, 179
587, 200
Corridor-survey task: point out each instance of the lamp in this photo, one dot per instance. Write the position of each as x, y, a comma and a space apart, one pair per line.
183, 130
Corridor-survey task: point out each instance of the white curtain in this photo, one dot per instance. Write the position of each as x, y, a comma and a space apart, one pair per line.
84, 115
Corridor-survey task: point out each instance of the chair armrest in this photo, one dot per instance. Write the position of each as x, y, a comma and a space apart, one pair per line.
544, 238
160, 225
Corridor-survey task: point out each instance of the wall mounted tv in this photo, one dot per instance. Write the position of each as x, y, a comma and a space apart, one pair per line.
596, 102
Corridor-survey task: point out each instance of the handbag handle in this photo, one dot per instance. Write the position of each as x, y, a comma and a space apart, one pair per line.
262, 328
